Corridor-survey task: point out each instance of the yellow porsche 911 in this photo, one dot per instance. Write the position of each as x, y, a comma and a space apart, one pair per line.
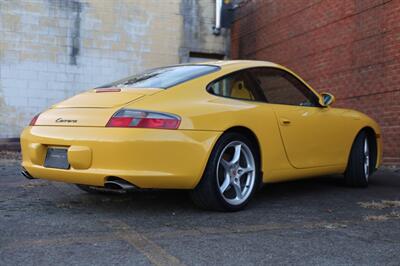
218, 129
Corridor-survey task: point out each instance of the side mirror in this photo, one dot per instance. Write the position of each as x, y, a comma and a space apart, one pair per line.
327, 99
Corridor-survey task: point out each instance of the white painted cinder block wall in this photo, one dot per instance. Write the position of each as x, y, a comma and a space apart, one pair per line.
53, 49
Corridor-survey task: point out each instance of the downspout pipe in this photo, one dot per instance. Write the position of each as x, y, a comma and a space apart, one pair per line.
217, 26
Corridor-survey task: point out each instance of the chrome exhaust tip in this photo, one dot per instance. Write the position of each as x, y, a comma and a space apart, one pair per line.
119, 184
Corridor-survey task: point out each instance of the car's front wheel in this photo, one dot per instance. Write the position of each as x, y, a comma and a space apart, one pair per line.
231, 175
361, 164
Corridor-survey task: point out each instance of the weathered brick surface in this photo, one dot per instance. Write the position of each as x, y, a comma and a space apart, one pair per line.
350, 48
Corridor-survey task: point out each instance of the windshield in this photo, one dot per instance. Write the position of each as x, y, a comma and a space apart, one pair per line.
164, 77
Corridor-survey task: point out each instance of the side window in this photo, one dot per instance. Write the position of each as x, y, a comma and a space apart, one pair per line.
280, 87
237, 85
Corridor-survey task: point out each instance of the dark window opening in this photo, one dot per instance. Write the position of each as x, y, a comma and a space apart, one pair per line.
281, 87
195, 57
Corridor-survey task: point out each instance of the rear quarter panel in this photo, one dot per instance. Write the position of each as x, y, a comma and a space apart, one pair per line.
200, 110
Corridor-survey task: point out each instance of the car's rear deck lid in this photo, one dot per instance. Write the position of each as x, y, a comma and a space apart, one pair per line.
75, 117
106, 98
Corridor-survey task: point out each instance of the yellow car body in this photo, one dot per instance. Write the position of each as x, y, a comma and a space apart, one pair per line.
294, 141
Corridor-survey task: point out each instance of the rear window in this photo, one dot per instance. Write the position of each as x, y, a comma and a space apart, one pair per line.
164, 77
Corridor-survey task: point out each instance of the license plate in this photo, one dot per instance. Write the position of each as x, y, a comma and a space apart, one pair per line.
56, 158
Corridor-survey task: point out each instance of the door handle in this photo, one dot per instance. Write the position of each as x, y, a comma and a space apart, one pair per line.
285, 121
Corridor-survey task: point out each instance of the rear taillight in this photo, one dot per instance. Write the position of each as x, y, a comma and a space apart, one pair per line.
143, 119
34, 119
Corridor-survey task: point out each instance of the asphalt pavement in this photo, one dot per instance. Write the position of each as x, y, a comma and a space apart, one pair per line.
317, 221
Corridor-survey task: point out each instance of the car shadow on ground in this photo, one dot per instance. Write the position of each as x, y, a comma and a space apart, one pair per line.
291, 192
314, 193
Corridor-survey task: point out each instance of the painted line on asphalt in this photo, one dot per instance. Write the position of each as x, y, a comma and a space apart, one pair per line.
119, 230
155, 253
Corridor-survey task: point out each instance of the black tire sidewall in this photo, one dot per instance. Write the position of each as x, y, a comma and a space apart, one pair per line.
355, 174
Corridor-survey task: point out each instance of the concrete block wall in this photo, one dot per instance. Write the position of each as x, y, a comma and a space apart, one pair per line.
350, 48
53, 49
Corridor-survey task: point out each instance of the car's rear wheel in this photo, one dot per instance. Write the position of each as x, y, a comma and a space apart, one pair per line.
360, 165
231, 175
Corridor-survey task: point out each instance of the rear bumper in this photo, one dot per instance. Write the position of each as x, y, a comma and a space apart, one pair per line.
147, 158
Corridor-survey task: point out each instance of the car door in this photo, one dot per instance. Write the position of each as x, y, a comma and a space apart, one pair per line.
312, 135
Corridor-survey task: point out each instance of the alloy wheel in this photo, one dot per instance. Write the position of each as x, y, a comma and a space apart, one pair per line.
236, 172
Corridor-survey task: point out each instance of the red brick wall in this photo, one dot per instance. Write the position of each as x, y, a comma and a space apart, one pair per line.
348, 47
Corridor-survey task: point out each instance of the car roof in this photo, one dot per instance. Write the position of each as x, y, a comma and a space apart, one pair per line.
244, 63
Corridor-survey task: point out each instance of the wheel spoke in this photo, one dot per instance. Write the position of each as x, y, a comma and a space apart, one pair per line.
225, 164
238, 190
225, 184
243, 171
236, 155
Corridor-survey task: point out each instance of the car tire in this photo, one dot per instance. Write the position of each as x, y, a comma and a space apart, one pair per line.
360, 164
232, 175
